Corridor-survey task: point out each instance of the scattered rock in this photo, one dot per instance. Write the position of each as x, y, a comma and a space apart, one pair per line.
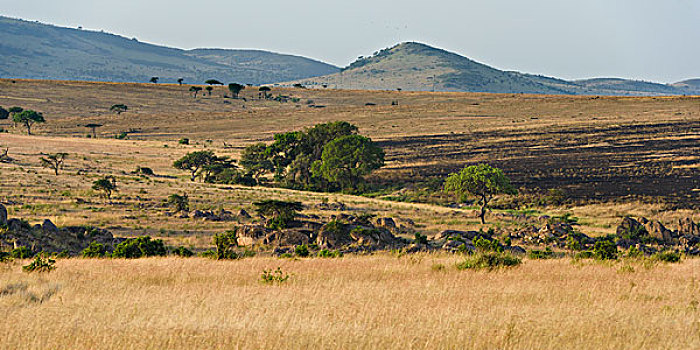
686, 227
630, 226
242, 214
657, 230
48, 227
248, 235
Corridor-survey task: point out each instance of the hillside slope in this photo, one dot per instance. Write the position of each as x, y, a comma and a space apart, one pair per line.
38, 51
419, 67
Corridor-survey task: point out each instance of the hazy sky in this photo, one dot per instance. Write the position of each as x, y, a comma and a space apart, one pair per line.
657, 40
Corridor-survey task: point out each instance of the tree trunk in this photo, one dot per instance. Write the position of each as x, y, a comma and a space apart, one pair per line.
29, 128
482, 215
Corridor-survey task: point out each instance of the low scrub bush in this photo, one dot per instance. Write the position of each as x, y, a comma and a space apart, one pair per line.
541, 254
183, 252
94, 250
420, 239
489, 260
21, 253
487, 245
134, 248
274, 277
325, 253
667, 257
225, 243
40, 264
605, 249
301, 251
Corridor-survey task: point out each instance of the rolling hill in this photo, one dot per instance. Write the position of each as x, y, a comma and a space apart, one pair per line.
38, 51
418, 67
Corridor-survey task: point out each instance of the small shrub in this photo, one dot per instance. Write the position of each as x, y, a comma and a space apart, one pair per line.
633, 253
40, 264
420, 239
225, 242
541, 254
487, 245
325, 253
5, 256
183, 252
94, 250
605, 249
667, 257
272, 277
489, 260
134, 248
184, 141
121, 136
438, 267
21, 253
301, 251
586, 254
209, 254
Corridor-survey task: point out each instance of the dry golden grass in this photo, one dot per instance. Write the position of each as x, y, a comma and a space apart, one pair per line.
366, 302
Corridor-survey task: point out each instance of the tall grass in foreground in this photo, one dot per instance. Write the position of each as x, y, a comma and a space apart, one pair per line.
369, 302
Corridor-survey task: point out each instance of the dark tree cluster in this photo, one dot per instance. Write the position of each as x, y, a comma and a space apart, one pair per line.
326, 157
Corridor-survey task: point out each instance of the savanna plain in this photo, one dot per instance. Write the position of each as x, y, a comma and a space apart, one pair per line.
589, 160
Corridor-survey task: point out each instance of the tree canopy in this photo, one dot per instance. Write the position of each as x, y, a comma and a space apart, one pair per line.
235, 89
482, 181
347, 159
28, 118
54, 161
195, 90
4, 114
154, 80
107, 185
282, 213
213, 82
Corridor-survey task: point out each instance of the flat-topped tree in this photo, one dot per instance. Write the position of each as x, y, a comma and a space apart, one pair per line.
28, 118
195, 90
54, 161
194, 162
209, 89
213, 82
482, 181
235, 89
263, 91
106, 185
119, 108
282, 213
154, 80
180, 80
93, 127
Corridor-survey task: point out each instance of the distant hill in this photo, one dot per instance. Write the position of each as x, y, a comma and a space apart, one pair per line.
418, 67
690, 84
39, 51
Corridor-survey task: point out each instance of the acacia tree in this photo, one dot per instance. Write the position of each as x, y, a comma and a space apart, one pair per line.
263, 92
179, 203
209, 89
347, 159
154, 80
54, 161
107, 185
119, 108
482, 181
93, 127
213, 82
235, 89
28, 118
194, 162
195, 90
180, 80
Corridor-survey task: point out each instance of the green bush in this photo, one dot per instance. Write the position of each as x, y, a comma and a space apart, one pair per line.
420, 239
121, 136
40, 264
134, 248
487, 245
668, 257
489, 260
541, 254
94, 250
21, 253
209, 254
605, 249
225, 242
301, 251
276, 276
325, 253
183, 252
184, 141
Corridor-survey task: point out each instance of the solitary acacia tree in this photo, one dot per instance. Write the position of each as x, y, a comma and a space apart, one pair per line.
107, 185
195, 90
28, 118
93, 127
154, 80
54, 161
119, 108
180, 80
235, 89
482, 181
209, 89
213, 82
282, 212
263, 92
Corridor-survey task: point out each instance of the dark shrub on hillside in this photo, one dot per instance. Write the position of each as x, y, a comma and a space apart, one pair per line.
134, 248
94, 250
489, 260
183, 252
605, 249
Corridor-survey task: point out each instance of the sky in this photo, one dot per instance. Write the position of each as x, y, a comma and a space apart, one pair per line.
652, 40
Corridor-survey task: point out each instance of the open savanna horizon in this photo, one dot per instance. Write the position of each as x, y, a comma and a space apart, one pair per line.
356, 302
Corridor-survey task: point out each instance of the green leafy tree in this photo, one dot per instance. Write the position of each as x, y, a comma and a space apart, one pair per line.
235, 89
482, 181
315, 139
195, 90
134, 248
119, 108
255, 160
28, 118
107, 185
347, 159
225, 244
14, 110
4, 114
194, 162
54, 161
281, 213
213, 82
